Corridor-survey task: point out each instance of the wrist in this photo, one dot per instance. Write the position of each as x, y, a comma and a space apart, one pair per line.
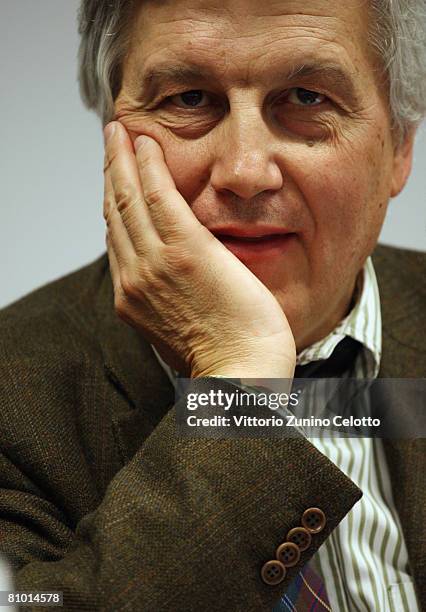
258, 369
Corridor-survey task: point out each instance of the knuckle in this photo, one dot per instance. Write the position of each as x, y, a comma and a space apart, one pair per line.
154, 197
130, 284
125, 197
108, 204
157, 271
121, 307
109, 159
179, 260
156, 279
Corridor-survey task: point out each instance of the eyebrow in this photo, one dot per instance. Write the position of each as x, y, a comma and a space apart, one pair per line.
154, 78
328, 73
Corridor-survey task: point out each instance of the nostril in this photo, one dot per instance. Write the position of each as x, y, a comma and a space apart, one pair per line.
246, 180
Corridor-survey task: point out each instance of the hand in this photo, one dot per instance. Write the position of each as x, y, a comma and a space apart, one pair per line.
203, 310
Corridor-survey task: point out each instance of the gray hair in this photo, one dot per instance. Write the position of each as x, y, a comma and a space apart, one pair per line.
398, 35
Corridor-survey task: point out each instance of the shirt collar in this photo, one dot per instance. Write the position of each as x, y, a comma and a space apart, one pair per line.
363, 323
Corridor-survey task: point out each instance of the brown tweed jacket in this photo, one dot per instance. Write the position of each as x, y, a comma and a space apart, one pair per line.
101, 500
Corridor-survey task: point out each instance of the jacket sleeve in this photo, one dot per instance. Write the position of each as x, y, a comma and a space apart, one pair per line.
187, 524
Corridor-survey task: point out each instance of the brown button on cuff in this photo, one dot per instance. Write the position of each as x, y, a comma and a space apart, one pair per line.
288, 553
273, 572
301, 537
313, 519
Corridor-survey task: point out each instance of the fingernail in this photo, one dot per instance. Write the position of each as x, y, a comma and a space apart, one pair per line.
140, 142
109, 131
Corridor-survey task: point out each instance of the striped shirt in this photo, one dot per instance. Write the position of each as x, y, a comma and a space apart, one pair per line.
364, 562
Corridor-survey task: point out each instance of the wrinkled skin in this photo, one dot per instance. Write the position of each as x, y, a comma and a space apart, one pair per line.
253, 151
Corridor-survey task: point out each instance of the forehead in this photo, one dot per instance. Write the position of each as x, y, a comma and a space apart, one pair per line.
238, 38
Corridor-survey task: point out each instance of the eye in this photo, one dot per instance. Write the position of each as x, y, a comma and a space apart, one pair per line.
305, 97
196, 98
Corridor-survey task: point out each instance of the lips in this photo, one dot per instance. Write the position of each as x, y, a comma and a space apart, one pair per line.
250, 244
253, 239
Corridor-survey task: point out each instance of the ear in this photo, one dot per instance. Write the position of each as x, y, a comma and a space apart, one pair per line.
402, 162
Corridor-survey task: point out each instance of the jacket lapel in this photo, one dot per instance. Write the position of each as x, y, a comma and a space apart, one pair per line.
403, 357
407, 467
134, 371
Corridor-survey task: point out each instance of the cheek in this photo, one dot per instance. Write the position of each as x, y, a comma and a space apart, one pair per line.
189, 161
346, 189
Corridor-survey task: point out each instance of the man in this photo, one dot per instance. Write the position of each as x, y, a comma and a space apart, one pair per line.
251, 151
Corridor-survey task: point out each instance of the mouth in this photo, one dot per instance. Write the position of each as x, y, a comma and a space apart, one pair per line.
251, 244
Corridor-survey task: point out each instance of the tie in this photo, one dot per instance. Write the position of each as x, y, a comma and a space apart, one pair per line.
307, 592
339, 362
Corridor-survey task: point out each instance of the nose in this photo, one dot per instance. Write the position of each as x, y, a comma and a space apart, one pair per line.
246, 161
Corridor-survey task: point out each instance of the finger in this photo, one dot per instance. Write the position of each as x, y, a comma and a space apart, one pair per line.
125, 180
118, 236
170, 213
113, 266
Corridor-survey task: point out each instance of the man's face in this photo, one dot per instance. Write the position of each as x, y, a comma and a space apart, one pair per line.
273, 118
